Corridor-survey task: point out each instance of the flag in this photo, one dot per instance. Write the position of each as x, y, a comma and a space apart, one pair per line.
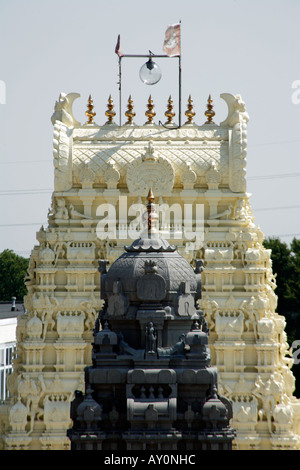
172, 40
118, 48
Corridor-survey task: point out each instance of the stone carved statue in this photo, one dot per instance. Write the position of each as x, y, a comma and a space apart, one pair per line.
176, 350
152, 286
237, 119
117, 303
151, 338
63, 109
227, 213
236, 110
126, 349
59, 210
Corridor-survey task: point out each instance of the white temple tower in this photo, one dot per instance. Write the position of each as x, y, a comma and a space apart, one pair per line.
102, 173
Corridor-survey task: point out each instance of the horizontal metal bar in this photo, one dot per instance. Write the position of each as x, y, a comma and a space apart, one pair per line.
151, 55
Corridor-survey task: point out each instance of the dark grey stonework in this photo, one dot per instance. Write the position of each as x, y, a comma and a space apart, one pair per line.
150, 386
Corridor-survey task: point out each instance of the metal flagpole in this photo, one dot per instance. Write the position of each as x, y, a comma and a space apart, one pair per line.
120, 89
163, 56
148, 55
179, 78
179, 92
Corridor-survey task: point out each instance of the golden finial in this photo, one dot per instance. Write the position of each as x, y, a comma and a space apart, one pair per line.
150, 113
110, 113
130, 113
170, 113
150, 199
90, 113
150, 196
190, 111
210, 112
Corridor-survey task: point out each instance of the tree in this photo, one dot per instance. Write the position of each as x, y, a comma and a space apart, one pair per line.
286, 266
13, 269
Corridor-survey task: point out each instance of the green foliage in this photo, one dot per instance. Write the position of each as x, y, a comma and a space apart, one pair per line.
286, 266
13, 269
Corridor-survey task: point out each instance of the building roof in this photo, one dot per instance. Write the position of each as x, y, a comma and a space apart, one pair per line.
7, 310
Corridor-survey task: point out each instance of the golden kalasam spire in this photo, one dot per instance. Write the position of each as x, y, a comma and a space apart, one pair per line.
110, 113
150, 199
190, 111
90, 113
130, 113
170, 112
150, 113
209, 113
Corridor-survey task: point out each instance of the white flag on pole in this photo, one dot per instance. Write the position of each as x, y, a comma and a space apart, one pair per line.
172, 40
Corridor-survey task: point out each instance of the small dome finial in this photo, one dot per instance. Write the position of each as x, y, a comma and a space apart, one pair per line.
209, 113
110, 113
150, 113
130, 113
190, 113
90, 113
170, 112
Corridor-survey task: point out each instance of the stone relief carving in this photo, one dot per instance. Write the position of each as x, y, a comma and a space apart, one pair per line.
188, 177
244, 409
219, 252
111, 176
34, 328
226, 214
46, 255
186, 303
229, 323
213, 176
177, 349
86, 176
210, 307
62, 158
70, 324
74, 214
31, 390
63, 110
154, 134
58, 210
236, 110
117, 303
270, 394
151, 338
89, 309
237, 120
62, 213
150, 171
151, 287
56, 410
18, 416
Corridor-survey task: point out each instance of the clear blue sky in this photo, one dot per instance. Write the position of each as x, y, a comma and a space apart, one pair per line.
233, 46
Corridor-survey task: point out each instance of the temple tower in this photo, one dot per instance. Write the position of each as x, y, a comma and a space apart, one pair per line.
150, 386
198, 175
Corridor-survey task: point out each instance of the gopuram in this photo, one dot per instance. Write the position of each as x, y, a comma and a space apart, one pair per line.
150, 385
102, 175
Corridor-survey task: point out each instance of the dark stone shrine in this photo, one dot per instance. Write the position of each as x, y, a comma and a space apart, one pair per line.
150, 385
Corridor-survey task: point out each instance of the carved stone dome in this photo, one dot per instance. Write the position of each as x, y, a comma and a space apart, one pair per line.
151, 258
150, 272
89, 412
